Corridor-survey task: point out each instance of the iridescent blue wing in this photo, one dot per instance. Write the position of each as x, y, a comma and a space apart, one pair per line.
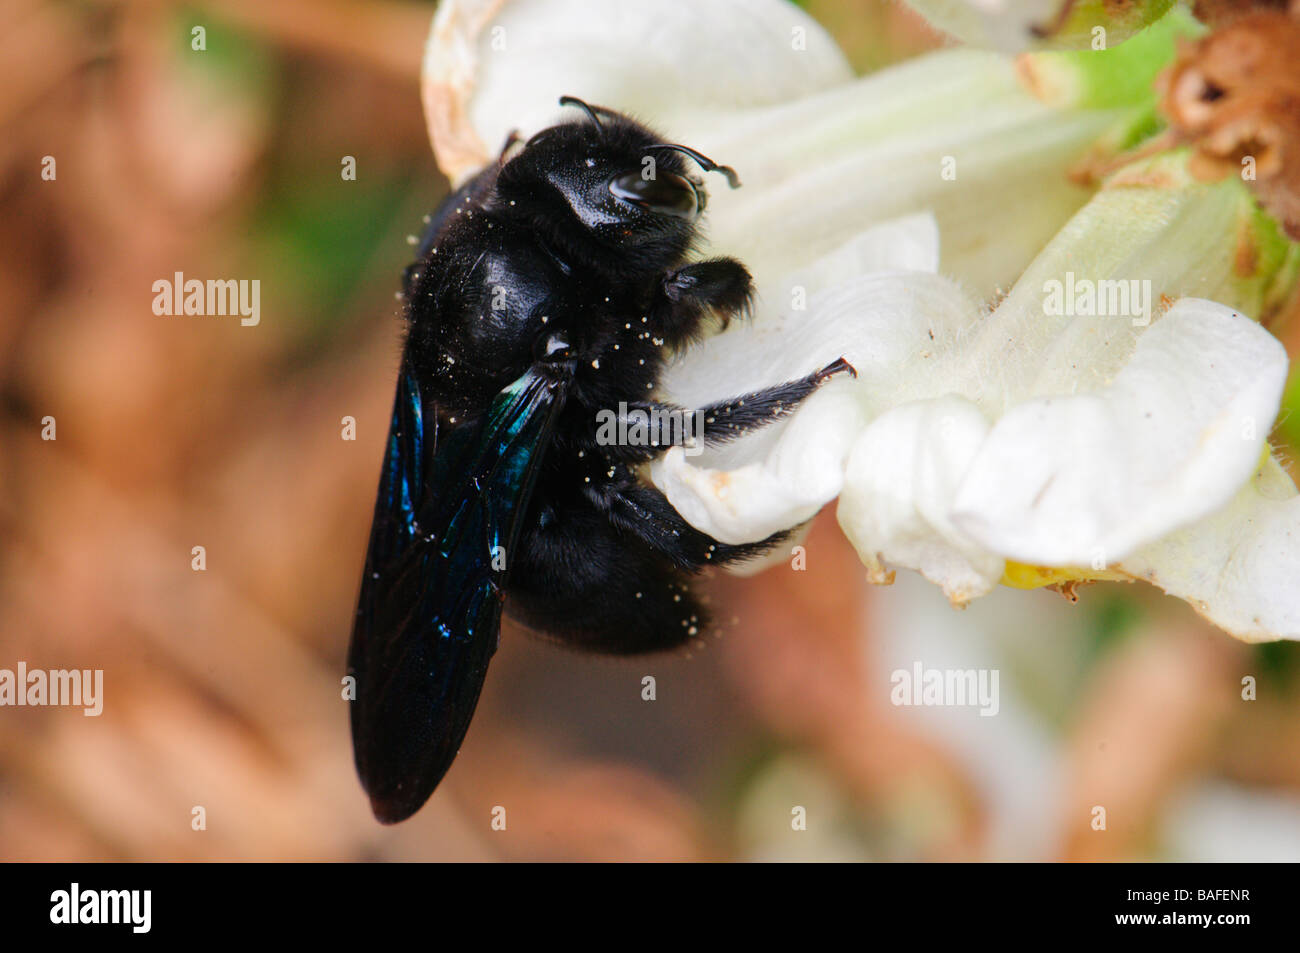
446, 522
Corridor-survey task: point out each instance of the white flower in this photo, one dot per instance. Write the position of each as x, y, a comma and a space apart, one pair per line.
1017, 446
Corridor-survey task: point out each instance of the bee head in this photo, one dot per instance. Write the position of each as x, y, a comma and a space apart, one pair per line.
606, 184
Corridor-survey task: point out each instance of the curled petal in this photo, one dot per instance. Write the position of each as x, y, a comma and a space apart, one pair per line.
1239, 567
1088, 478
899, 486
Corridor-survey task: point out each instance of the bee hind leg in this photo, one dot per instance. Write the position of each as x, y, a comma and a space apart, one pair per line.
645, 513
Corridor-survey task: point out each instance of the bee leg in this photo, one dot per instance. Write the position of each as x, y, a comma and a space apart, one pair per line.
645, 513
659, 426
727, 419
581, 580
667, 425
720, 285
655, 612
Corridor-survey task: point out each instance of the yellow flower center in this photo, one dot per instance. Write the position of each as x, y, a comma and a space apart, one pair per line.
1025, 576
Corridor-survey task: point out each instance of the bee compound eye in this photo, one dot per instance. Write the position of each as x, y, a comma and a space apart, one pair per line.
665, 194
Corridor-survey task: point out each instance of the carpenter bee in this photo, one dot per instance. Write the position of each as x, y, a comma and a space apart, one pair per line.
552, 285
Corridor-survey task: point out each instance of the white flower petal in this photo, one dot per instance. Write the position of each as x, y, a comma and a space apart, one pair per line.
803, 470
899, 486
493, 66
888, 326
952, 132
1240, 567
910, 243
1085, 479
1150, 223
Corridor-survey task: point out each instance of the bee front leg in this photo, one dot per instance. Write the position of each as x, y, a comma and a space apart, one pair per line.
720, 285
727, 419
663, 425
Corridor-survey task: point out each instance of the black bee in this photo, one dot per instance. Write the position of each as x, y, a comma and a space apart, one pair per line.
551, 286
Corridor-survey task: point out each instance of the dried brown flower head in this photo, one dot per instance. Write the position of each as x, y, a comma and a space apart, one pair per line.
1218, 12
1234, 95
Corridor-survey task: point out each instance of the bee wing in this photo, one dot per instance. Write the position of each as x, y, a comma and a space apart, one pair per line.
429, 614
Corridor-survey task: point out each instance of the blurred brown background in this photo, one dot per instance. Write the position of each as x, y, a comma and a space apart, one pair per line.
222, 686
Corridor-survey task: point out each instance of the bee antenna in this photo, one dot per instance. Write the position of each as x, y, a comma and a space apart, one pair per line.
575, 101
705, 163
